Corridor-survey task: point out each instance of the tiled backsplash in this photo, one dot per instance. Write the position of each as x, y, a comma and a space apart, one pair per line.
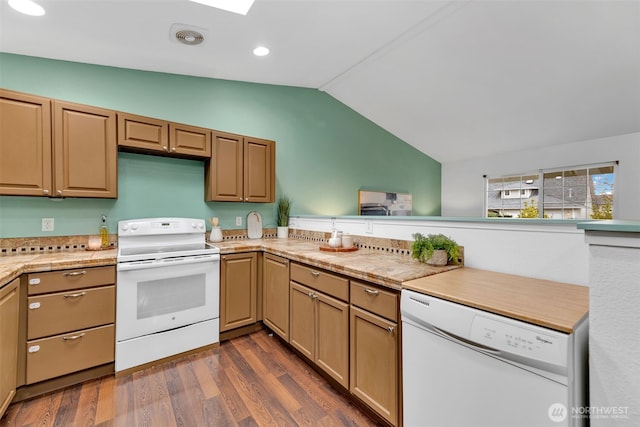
36, 245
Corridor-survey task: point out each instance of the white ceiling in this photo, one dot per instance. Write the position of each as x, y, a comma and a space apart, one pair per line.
455, 79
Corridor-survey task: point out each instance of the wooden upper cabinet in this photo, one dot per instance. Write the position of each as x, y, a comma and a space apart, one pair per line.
242, 169
153, 135
189, 140
224, 173
143, 132
259, 170
85, 151
25, 144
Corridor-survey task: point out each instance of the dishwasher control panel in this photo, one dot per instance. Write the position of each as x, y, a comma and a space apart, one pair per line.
523, 340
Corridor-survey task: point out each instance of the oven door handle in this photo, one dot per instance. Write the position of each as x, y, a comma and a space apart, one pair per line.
166, 262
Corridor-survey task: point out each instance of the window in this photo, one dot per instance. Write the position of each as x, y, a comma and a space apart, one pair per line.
582, 192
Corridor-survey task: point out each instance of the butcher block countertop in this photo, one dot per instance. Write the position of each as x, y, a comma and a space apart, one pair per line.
554, 305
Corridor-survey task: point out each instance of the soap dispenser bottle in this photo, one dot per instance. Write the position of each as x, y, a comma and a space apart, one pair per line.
104, 232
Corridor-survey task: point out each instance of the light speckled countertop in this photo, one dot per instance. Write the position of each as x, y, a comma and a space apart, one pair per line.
13, 266
373, 265
376, 266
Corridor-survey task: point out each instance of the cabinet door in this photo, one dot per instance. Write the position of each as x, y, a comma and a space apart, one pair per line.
275, 294
238, 288
302, 315
332, 337
25, 144
85, 151
143, 132
374, 363
259, 170
224, 170
9, 347
189, 140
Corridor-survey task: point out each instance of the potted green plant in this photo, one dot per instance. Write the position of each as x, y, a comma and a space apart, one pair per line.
434, 249
283, 208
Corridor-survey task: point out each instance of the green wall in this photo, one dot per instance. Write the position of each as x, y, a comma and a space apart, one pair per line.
325, 152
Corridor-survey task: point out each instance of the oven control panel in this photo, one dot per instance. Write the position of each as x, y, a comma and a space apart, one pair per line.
155, 226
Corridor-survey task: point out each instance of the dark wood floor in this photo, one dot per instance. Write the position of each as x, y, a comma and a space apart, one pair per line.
253, 380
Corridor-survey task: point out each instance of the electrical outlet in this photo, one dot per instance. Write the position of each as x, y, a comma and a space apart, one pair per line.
238, 220
47, 224
369, 225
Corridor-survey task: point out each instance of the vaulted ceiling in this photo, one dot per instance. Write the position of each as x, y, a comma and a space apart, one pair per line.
455, 79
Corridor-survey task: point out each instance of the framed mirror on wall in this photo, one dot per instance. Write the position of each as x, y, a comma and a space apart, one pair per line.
384, 203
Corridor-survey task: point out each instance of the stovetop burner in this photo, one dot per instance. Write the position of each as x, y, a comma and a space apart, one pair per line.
158, 238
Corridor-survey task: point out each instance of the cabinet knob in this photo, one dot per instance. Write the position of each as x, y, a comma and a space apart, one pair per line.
59, 192
173, 149
45, 192
165, 148
390, 329
246, 199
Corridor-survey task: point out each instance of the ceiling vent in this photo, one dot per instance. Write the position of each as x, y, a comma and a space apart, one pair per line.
187, 34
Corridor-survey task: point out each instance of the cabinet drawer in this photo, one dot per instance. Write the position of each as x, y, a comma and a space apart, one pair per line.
328, 283
63, 354
376, 300
62, 312
66, 280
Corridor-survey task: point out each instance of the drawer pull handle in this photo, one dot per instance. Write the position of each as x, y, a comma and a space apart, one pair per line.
75, 273
78, 295
390, 329
371, 291
313, 295
73, 338
314, 273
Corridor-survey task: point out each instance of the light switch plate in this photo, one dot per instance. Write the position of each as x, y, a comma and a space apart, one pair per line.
238, 220
47, 224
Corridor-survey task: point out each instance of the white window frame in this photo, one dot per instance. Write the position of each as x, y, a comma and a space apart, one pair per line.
541, 173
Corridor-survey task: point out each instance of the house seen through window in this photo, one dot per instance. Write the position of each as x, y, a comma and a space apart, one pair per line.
583, 192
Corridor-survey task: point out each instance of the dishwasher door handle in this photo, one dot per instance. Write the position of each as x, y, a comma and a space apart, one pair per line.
464, 341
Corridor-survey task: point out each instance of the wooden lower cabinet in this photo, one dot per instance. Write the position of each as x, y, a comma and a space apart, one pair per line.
9, 303
238, 290
302, 315
70, 322
320, 330
275, 294
374, 365
62, 354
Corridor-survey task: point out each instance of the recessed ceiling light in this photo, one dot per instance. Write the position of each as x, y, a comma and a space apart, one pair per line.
27, 7
261, 51
235, 6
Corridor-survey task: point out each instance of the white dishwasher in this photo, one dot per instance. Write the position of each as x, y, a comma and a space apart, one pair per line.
467, 367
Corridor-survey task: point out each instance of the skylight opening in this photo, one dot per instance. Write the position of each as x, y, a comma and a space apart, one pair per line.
27, 7
261, 51
236, 6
